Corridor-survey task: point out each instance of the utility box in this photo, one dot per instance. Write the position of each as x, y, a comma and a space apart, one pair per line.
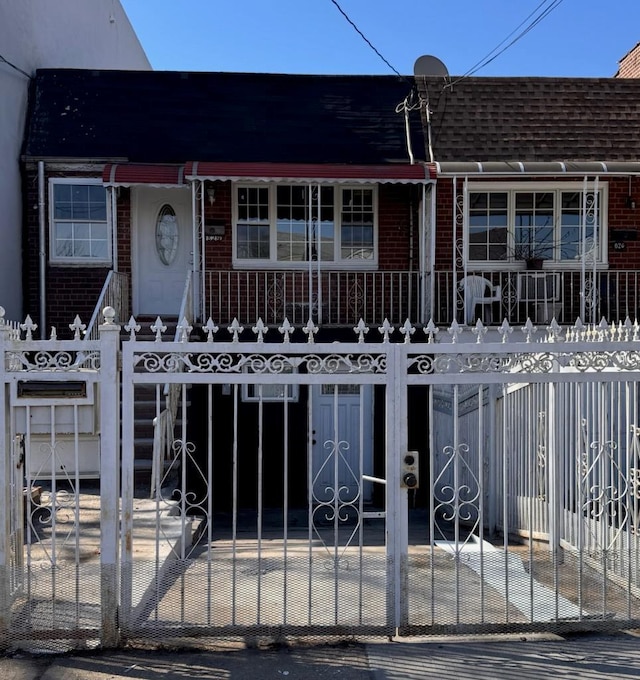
59, 421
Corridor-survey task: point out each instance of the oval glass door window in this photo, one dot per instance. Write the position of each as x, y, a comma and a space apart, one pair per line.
167, 234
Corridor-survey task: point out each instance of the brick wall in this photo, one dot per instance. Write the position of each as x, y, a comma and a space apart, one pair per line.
629, 65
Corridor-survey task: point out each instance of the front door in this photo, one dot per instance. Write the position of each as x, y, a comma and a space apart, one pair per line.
163, 249
340, 454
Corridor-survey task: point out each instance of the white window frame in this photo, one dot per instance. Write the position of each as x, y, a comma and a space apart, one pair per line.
530, 187
272, 262
277, 393
84, 261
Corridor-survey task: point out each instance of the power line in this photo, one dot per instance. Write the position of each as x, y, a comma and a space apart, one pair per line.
364, 37
496, 52
17, 68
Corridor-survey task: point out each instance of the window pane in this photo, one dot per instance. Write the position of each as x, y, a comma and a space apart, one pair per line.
99, 249
533, 228
63, 248
82, 231
578, 238
253, 242
291, 223
488, 219
253, 204
357, 232
80, 226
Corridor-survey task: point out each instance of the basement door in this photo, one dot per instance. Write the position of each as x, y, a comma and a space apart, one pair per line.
342, 439
162, 249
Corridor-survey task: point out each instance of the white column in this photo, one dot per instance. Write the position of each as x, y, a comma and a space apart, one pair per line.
5, 495
397, 517
109, 475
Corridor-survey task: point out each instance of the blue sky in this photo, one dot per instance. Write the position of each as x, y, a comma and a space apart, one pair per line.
578, 38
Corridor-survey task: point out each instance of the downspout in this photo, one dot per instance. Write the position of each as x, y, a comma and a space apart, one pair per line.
114, 226
411, 247
454, 294
596, 248
583, 235
319, 250
42, 254
200, 259
432, 249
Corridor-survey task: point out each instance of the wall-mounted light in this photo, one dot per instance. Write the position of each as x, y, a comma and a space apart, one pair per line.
631, 204
211, 195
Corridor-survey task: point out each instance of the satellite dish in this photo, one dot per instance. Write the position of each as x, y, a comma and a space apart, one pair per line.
428, 65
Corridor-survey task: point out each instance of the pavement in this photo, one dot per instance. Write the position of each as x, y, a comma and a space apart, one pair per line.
587, 657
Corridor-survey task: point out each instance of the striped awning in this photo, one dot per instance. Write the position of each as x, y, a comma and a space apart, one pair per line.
317, 173
131, 174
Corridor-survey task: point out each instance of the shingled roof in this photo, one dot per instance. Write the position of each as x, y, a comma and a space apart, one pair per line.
174, 117
534, 119
166, 116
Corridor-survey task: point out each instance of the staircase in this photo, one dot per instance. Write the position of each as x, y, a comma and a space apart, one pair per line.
145, 410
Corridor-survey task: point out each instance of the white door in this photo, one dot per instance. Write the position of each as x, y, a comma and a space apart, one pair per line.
340, 455
162, 249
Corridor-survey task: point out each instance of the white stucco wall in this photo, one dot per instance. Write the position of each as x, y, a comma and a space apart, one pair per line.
47, 34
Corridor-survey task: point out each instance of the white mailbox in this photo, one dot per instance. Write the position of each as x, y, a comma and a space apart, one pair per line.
60, 425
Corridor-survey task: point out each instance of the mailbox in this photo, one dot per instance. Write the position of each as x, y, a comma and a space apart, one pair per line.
53, 416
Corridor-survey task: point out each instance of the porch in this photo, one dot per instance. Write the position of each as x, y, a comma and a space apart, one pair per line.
540, 295
343, 297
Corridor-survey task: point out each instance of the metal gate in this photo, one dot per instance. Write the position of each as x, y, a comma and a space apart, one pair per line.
256, 525
457, 486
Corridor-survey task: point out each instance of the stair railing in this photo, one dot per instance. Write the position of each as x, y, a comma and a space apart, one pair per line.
164, 424
115, 293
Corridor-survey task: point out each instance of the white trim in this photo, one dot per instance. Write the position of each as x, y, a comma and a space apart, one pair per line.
290, 391
336, 263
79, 261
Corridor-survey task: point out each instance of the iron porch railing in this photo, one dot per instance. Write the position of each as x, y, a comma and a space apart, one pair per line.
330, 298
342, 298
539, 295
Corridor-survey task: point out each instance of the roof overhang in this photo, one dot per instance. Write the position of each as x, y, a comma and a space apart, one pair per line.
132, 174
321, 173
537, 168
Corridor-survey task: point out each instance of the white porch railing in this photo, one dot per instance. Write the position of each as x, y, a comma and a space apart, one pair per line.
164, 424
330, 298
115, 293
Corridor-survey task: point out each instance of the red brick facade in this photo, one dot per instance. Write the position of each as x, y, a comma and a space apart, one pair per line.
74, 289
629, 65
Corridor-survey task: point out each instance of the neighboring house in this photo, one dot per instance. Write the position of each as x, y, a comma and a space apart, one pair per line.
36, 34
535, 173
629, 65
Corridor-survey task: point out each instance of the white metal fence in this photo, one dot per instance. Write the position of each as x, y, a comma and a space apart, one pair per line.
410, 481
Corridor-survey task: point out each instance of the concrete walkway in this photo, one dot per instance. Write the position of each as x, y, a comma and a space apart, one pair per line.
591, 657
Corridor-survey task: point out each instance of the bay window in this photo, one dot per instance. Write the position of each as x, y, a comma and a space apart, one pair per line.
558, 224
293, 224
79, 228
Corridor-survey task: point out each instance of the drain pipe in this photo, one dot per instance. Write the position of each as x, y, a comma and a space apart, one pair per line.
42, 247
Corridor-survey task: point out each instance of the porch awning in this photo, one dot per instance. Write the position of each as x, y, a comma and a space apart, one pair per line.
131, 174
418, 173
508, 168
